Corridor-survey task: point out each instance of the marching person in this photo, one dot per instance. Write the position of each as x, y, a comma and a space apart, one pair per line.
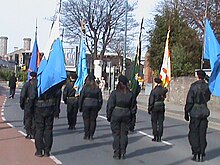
136, 93
44, 117
71, 100
90, 103
121, 108
12, 85
198, 93
25, 104
156, 108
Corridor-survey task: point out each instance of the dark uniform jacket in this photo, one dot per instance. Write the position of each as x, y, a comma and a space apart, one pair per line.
198, 93
12, 82
28, 94
69, 91
24, 96
90, 98
120, 104
156, 99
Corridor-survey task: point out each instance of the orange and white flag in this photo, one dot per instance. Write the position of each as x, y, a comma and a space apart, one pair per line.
165, 72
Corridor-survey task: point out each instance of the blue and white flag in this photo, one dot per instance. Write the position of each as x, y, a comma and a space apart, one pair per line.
52, 69
211, 45
82, 69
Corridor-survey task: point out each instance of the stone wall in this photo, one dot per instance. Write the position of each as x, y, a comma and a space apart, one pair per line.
179, 88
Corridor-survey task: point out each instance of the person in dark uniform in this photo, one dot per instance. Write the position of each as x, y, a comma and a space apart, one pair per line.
136, 93
71, 100
90, 103
12, 86
44, 118
121, 108
27, 105
156, 108
198, 93
58, 101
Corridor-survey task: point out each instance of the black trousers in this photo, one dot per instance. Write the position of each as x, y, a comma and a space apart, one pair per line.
29, 121
12, 92
72, 110
157, 119
197, 135
44, 117
120, 126
89, 118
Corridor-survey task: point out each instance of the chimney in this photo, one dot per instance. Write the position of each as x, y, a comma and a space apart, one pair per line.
27, 43
3, 46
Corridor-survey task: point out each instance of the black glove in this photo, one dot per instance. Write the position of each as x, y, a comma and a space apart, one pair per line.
186, 117
149, 112
109, 119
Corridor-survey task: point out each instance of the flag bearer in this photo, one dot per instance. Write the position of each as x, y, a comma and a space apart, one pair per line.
71, 100
156, 108
121, 108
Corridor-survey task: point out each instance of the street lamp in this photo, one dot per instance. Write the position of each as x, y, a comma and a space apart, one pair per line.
125, 40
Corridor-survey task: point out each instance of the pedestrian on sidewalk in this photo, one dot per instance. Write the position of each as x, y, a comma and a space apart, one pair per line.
71, 100
12, 85
90, 103
121, 108
28, 106
198, 96
156, 108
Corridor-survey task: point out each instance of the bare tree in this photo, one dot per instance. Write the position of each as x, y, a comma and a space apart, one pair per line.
104, 20
194, 12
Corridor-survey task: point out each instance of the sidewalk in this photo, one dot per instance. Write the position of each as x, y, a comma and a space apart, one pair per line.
177, 111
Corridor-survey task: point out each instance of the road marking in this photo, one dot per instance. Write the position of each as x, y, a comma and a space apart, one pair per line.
143, 133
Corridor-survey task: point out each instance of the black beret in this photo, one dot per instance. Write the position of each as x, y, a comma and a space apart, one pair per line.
73, 75
157, 80
201, 74
33, 74
91, 77
123, 79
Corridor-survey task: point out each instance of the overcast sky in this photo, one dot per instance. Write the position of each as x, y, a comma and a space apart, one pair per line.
18, 19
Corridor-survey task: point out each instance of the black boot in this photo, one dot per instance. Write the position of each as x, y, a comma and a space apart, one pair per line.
116, 155
194, 157
154, 139
159, 139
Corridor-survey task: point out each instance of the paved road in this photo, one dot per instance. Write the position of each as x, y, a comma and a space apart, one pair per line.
69, 148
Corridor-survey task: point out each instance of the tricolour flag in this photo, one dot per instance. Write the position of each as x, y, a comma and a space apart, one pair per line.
82, 69
165, 72
211, 45
35, 58
136, 68
52, 69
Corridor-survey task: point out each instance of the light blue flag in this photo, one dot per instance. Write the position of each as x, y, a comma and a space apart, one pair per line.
82, 69
52, 69
35, 59
214, 80
211, 45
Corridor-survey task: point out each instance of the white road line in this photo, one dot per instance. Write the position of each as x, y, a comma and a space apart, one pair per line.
10, 125
143, 133
57, 161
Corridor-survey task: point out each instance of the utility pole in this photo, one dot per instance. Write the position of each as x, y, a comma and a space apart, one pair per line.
125, 39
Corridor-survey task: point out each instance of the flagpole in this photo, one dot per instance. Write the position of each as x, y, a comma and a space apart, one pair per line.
125, 39
206, 10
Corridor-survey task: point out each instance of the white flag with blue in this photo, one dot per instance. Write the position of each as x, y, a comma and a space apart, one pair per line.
82, 69
52, 69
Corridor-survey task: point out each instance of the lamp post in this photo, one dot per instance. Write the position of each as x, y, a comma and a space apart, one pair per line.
125, 39
206, 10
